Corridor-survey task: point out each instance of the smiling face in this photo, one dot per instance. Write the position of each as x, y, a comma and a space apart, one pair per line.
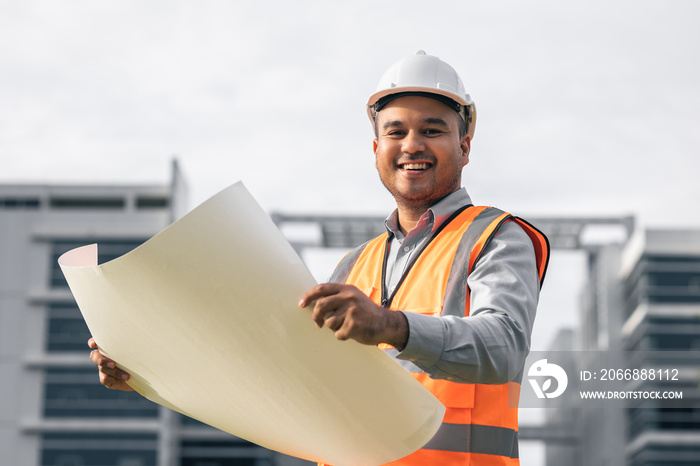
419, 152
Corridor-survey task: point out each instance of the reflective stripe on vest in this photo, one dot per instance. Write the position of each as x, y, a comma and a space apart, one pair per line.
479, 426
474, 438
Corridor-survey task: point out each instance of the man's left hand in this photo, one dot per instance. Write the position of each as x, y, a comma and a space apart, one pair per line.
351, 314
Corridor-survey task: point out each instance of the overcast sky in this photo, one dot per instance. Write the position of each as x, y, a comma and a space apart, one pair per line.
583, 108
589, 108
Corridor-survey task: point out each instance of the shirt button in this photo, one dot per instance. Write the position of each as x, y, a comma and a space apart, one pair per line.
406, 249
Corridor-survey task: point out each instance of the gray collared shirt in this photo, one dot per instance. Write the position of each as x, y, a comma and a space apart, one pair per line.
403, 248
490, 345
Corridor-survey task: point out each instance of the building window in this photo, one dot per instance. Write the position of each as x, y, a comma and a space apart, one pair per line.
234, 452
673, 342
103, 449
143, 202
216, 461
76, 393
664, 415
660, 454
66, 329
662, 280
87, 203
19, 203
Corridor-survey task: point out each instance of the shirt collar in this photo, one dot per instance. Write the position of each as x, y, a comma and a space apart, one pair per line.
435, 215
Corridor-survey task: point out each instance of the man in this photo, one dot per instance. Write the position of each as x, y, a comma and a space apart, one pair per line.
451, 290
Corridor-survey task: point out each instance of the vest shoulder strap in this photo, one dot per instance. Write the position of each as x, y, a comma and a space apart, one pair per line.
472, 245
346, 264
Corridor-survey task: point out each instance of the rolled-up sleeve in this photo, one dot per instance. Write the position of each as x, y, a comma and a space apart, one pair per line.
488, 346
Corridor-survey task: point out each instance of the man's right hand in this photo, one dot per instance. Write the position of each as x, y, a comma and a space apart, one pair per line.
110, 375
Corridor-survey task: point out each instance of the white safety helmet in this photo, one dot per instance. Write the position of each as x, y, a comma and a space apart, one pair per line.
424, 74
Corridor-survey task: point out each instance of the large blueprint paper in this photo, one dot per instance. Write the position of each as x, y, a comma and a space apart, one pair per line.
204, 316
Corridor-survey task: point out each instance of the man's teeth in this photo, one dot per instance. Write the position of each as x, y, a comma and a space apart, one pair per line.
416, 166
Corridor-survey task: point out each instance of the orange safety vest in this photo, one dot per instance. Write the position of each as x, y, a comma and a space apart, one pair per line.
479, 427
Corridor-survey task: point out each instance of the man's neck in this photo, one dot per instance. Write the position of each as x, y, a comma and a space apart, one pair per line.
408, 219
409, 215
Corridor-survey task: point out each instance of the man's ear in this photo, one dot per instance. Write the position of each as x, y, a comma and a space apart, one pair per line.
465, 145
375, 144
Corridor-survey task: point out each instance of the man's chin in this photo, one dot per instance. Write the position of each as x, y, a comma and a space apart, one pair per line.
416, 200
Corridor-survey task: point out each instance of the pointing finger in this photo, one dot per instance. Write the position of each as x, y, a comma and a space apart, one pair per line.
317, 292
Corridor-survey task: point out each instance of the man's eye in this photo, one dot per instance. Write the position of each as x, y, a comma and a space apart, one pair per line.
432, 131
396, 132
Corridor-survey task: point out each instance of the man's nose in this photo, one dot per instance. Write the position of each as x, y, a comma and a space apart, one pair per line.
413, 142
